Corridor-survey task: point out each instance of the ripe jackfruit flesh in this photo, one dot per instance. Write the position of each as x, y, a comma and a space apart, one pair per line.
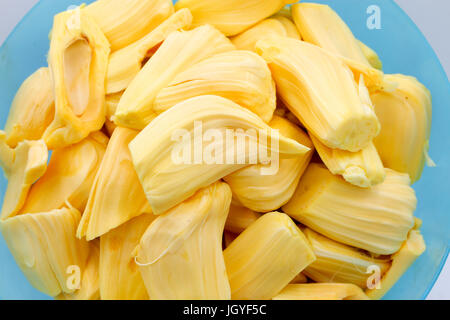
371, 56
322, 291
240, 218
288, 24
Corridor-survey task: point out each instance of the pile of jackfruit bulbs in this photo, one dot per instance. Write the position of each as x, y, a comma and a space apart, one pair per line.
112, 216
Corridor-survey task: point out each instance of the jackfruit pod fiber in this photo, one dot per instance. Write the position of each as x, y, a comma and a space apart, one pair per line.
240, 218
338, 116
78, 60
32, 109
111, 101
233, 16
180, 254
265, 193
126, 63
44, 246
377, 219
126, 21
288, 24
183, 149
241, 76
339, 263
179, 51
264, 258
116, 195
22, 166
322, 291
405, 117
69, 177
371, 56
120, 278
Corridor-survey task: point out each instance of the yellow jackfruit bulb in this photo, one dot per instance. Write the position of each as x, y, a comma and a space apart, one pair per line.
240, 218
322, 291
265, 193
120, 278
371, 56
69, 177
126, 21
405, 115
46, 249
116, 195
412, 249
377, 219
180, 254
288, 24
198, 142
32, 109
337, 262
264, 258
179, 51
22, 167
233, 16
241, 76
78, 59
126, 63
331, 108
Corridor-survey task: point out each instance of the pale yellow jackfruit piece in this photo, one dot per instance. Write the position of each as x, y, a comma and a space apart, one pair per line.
264, 258
413, 248
112, 101
320, 90
116, 195
288, 24
120, 278
371, 56
44, 246
228, 238
231, 17
198, 142
180, 254
22, 166
126, 63
69, 176
265, 193
337, 262
322, 291
126, 21
32, 109
300, 278
78, 60
405, 117
179, 51
240, 218
377, 219
241, 76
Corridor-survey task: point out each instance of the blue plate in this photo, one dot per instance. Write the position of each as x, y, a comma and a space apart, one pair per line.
402, 48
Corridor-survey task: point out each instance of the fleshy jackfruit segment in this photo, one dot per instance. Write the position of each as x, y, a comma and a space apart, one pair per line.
288, 24
240, 218
322, 291
179, 51
180, 254
126, 63
371, 56
116, 195
78, 60
32, 109
241, 76
264, 258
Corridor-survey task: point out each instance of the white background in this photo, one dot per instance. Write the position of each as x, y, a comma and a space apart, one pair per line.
432, 17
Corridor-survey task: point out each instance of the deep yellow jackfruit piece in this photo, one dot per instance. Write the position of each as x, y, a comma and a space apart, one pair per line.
22, 166
240, 218
321, 91
32, 109
377, 219
116, 195
241, 76
338, 262
322, 291
44, 246
126, 63
69, 176
170, 171
288, 24
126, 21
265, 193
180, 254
371, 56
412, 249
233, 16
120, 278
78, 60
179, 51
405, 117
264, 258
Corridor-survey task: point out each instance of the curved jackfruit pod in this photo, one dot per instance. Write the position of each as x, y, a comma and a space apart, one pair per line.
371, 56
217, 129
288, 24
240, 218
180, 254
322, 291
241, 76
